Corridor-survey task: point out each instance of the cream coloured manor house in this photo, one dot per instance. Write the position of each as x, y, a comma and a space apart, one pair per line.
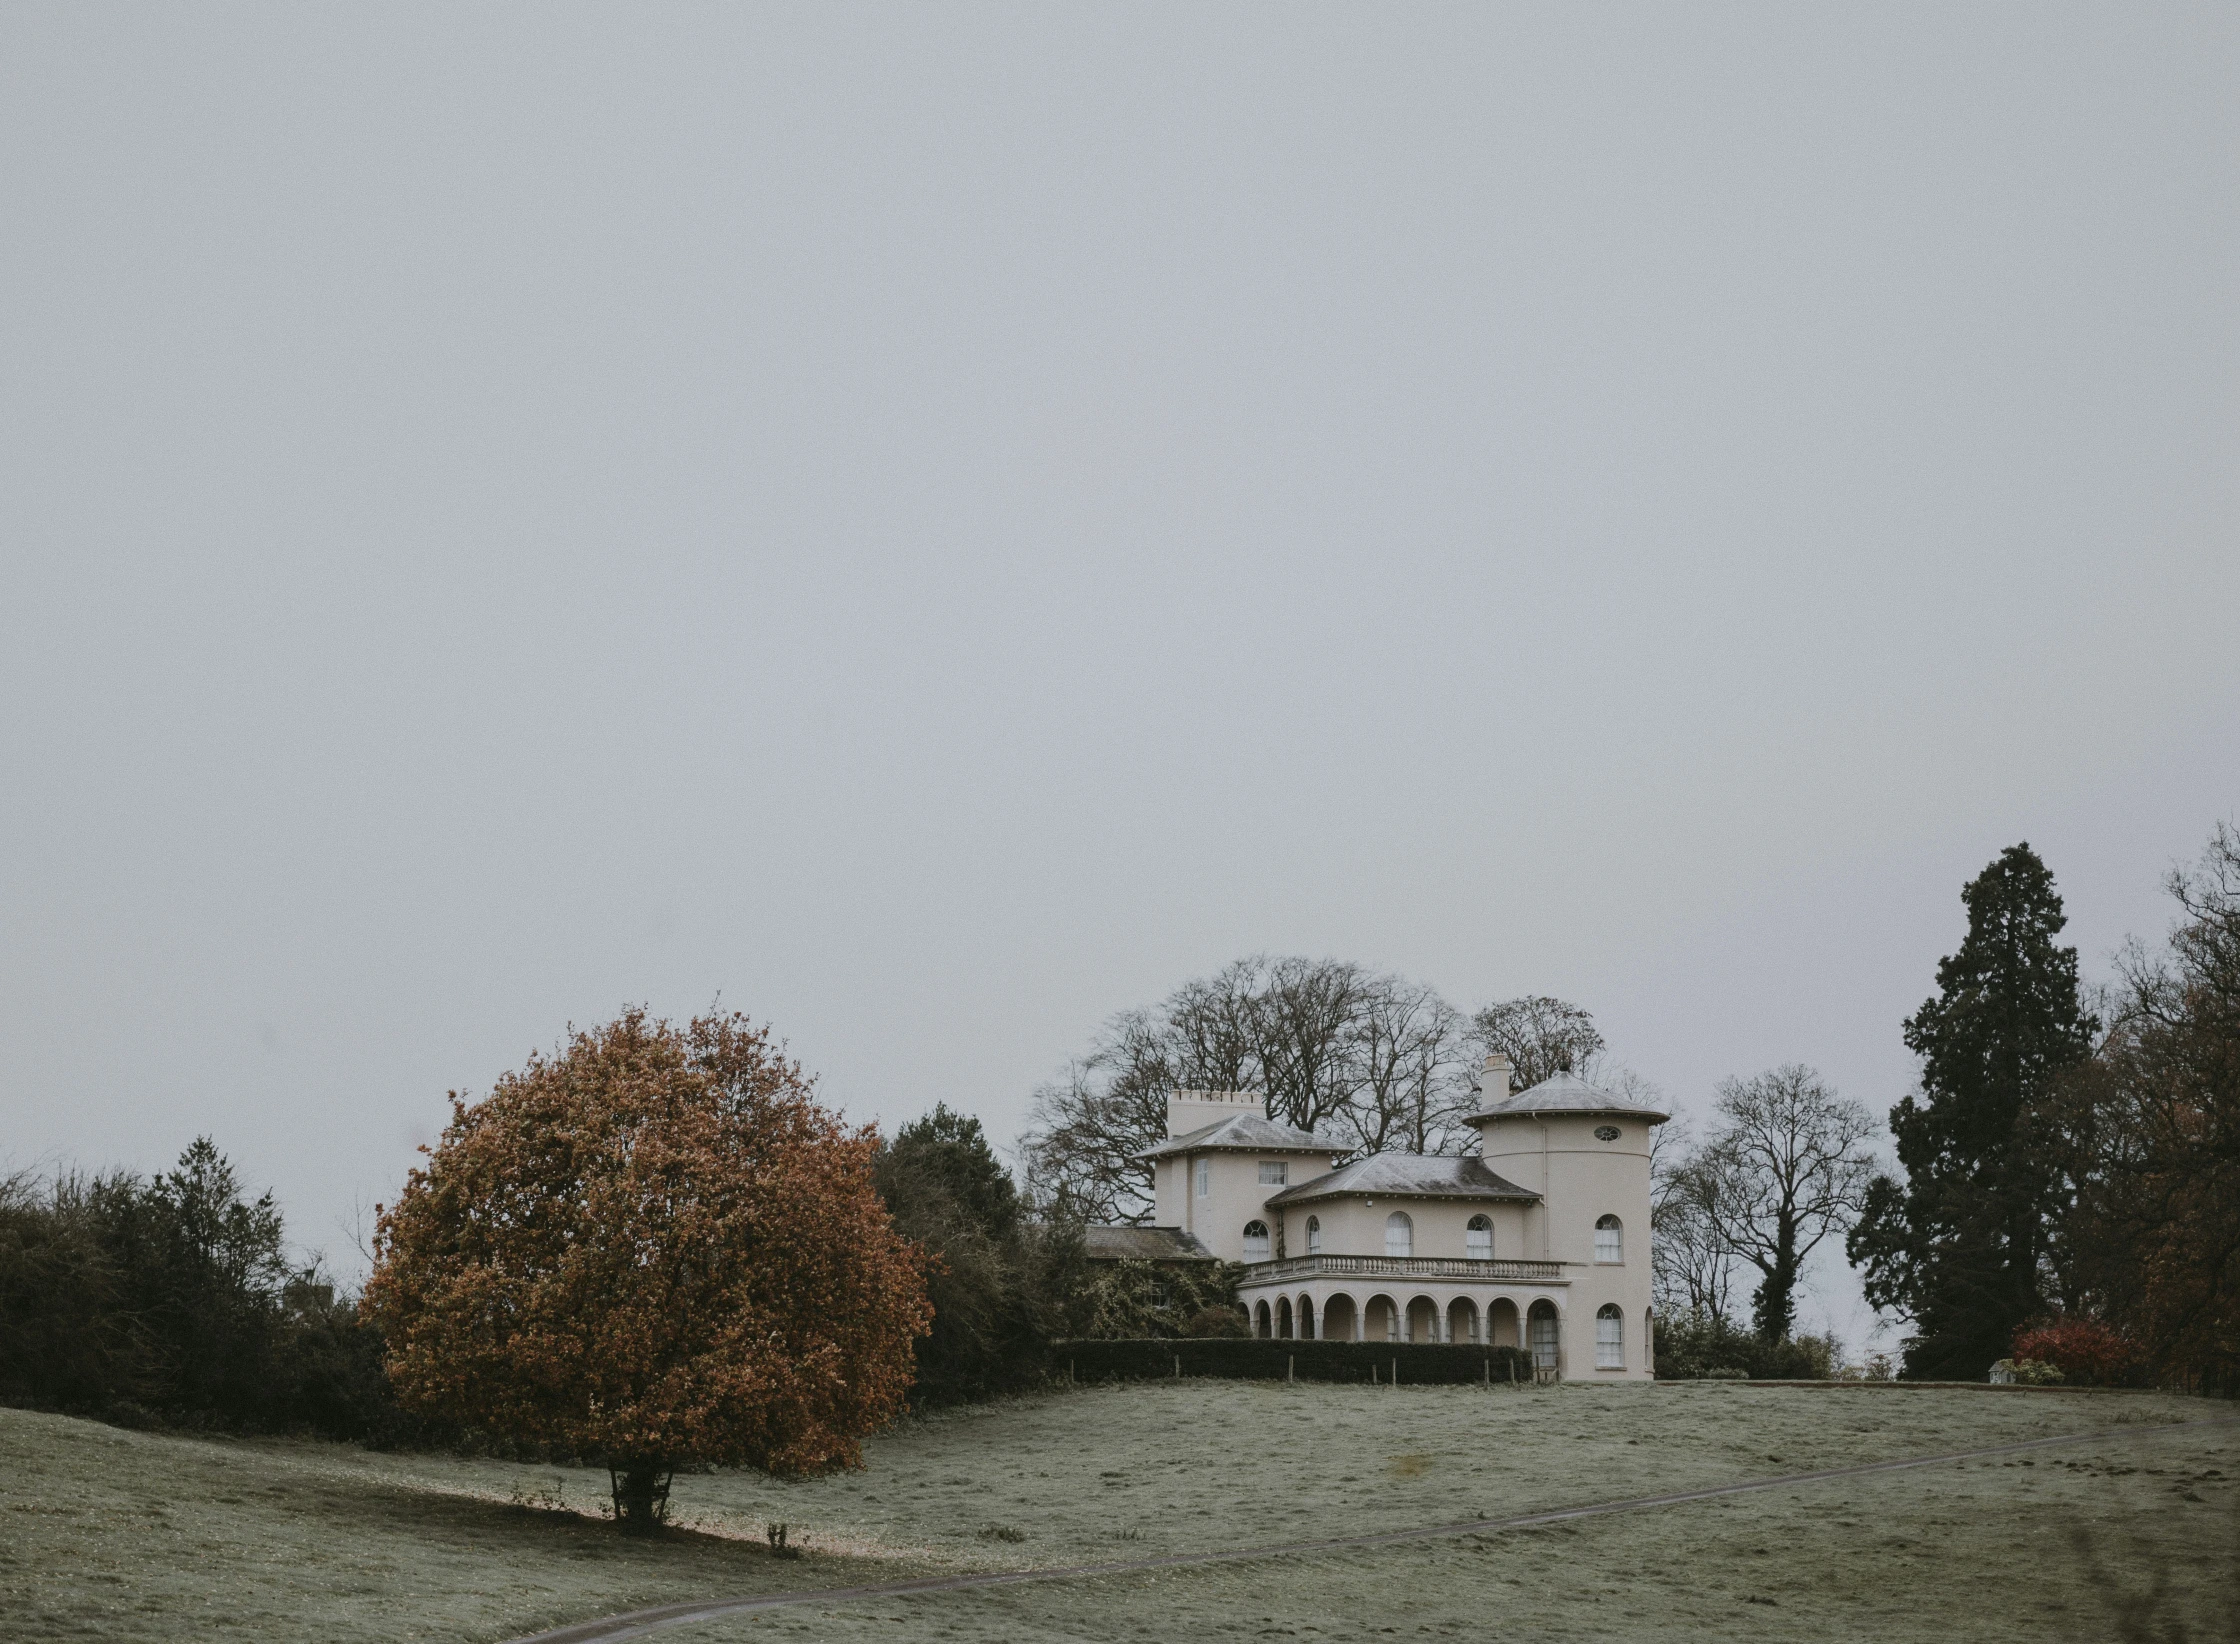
1540, 1239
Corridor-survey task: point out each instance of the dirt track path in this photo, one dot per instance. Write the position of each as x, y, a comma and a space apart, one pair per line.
637, 1623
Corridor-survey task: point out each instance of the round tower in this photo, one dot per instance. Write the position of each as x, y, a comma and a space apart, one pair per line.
1585, 1151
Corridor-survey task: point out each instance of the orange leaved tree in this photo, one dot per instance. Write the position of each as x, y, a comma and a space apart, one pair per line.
653, 1248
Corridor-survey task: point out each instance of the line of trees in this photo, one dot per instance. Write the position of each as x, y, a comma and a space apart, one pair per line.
2149, 1241
1375, 1061
655, 1246
170, 1299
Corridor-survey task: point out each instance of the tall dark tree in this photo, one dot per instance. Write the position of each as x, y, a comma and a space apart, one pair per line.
949, 1155
1001, 1287
1962, 1246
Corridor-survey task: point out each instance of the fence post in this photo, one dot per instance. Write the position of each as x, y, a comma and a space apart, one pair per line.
1396, 1372
1291, 1367
1178, 1367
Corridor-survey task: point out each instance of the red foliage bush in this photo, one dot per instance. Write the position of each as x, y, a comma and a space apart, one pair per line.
2087, 1352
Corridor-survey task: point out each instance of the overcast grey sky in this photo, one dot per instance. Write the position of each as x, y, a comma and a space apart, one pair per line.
936, 524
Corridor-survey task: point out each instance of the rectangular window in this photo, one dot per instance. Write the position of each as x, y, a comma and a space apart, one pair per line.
1205, 1177
1272, 1172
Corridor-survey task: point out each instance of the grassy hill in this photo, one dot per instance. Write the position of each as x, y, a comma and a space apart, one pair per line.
123, 1535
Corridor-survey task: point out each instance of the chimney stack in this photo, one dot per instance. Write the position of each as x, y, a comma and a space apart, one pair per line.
1493, 1083
1189, 1110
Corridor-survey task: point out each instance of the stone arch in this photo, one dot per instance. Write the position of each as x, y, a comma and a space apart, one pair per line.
1263, 1324
1380, 1319
1341, 1319
1462, 1319
1283, 1317
1422, 1320
1503, 1326
1544, 1333
1306, 1318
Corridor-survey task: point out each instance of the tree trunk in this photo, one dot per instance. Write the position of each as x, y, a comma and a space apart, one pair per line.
1776, 1298
641, 1494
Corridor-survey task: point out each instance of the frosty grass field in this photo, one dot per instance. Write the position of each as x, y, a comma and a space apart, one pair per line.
124, 1535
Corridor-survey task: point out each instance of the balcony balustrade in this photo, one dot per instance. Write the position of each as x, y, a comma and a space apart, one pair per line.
1400, 1267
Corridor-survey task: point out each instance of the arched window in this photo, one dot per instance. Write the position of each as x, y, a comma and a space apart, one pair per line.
1314, 1235
1541, 1332
1609, 1240
1399, 1234
1255, 1241
1477, 1239
1610, 1339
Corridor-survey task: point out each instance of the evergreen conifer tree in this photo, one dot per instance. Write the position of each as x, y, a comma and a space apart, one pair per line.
1962, 1245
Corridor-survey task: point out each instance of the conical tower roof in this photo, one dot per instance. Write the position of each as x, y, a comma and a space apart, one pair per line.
1567, 1093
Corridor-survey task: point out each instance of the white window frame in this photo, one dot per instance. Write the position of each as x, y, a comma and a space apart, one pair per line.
1404, 1225
1609, 1241
1265, 1240
1314, 1235
1610, 1337
1274, 1172
1477, 1242
1202, 1169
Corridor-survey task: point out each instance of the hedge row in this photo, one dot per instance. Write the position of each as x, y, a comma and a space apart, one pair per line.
1250, 1359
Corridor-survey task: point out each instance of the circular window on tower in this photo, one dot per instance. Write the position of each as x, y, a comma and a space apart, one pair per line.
1605, 1133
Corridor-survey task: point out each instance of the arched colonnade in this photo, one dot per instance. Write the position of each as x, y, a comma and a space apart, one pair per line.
1417, 1316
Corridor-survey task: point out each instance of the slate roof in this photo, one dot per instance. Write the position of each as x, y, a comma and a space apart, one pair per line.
1567, 1093
1145, 1244
1244, 1133
1409, 1176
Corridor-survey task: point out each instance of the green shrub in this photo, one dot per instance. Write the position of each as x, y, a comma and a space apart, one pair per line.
1136, 1301
1260, 1359
1710, 1347
1216, 1321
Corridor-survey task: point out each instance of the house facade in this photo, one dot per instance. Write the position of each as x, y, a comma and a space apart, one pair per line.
1539, 1240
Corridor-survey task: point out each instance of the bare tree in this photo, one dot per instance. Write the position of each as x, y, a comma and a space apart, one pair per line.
1691, 1265
1787, 1166
1078, 1152
1373, 1061
1306, 1026
1413, 1056
1284, 1027
1541, 1037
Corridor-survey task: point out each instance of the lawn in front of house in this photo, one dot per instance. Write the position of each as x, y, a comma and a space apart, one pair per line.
127, 1535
